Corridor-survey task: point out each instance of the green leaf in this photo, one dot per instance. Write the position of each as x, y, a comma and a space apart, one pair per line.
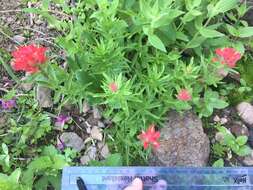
15, 175
218, 163
156, 42
244, 151
196, 42
9, 70
242, 140
232, 30
114, 160
209, 33
5, 148
190, 16
166, 18
245, 32
222, 6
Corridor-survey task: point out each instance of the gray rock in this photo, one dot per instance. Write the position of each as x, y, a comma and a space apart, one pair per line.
249, 15
239, 129
72, 140
183, 142
86, 107
104, 150
96, 133
96, 113
245, 111
248, 160
26, 86
89, 155
101, 124
44, 97
18, 38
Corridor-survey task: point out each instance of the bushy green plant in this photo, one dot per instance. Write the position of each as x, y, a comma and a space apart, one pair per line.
149, 50
25, 145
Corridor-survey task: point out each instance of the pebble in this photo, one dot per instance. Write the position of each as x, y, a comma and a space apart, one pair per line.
96, 133
71, 139
26, 86
96, 113
245, 111
216, 118
250, 140
86, 107
105, 151
239, 129
89, 155
43, 96
20, 39
223, 121
101, 124
248, 160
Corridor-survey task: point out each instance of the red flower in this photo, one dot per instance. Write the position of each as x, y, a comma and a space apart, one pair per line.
113, 87
150, 137
184, 95
227, 56
28, 58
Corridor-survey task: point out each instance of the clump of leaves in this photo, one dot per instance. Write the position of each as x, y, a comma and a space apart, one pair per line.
227, 144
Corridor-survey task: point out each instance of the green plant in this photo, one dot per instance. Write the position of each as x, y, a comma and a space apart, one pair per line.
112, 160
218, 163
149, 51
236, 144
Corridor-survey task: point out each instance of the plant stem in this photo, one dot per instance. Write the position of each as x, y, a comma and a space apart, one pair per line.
9, 71
10, 38
195, 36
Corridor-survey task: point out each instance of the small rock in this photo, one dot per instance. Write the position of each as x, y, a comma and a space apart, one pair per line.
96, 113
182, 143
96, 133
18, 38
71, 139
101, 124
250, 140
9, 19
85, 159
86, 107
216, 118
104, 151
248, 160
89, 155
26, 86
44, 97
3, 119
245, 111
239, 129
223, 121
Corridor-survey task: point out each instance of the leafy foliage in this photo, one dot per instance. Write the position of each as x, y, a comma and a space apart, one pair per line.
150, 50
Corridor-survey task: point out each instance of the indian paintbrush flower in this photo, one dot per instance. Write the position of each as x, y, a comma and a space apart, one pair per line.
150, 137
28, 58
184, 95
227, 56
113, 87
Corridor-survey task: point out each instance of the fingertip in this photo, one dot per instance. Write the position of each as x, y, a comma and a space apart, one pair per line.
137, 182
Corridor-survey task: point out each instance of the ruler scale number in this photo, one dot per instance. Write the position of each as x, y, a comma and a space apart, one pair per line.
158, 178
